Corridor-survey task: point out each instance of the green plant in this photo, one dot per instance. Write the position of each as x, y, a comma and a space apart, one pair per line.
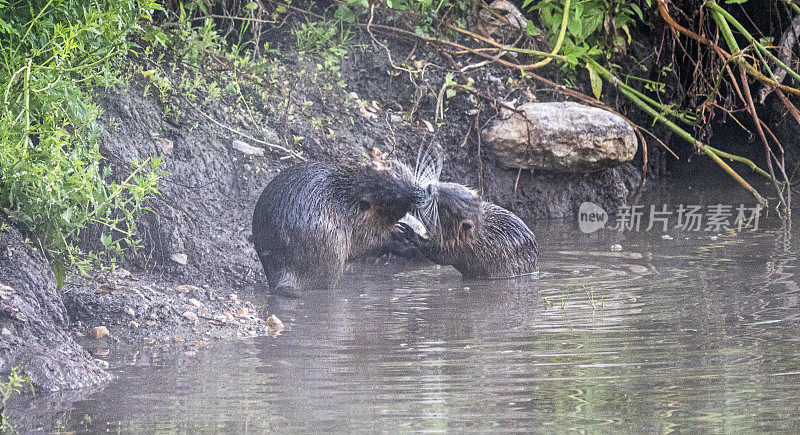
428, 11
332, 39
52, 176
592, 27
594, 22
16, 381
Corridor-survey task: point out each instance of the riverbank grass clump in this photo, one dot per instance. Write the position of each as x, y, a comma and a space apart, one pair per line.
53, 179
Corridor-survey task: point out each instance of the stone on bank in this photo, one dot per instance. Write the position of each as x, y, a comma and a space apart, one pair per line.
561, 136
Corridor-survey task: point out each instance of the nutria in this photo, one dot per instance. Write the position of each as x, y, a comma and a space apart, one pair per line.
478, 238
313, 217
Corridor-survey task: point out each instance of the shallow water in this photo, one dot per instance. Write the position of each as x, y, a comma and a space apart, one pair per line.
697, 332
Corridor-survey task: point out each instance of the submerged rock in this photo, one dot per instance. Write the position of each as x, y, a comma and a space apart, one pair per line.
562, 136
34, 322
274, 322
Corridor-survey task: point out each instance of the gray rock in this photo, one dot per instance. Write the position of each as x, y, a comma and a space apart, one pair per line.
564, 136
246, 148
181, 259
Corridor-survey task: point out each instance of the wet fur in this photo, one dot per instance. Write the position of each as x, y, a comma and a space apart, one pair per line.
312, 218
478, 238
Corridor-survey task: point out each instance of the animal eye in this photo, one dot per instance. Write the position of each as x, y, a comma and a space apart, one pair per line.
363, 205
467, 225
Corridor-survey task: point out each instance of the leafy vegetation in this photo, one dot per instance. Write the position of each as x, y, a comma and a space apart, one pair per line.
16, 381
592, 25
332, 39
52, 176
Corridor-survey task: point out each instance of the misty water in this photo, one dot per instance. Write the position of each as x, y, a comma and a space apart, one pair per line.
695, 331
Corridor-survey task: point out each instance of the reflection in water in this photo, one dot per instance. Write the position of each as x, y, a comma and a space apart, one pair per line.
697, 332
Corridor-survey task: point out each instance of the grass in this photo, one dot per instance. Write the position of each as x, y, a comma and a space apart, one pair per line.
53, 179
13, 386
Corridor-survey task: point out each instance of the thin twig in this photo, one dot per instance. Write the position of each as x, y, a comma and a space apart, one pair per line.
292, 153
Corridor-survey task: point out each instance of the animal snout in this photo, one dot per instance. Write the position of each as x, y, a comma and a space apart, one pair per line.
422, 196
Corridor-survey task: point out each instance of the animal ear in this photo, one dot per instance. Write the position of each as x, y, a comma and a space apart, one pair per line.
467, 224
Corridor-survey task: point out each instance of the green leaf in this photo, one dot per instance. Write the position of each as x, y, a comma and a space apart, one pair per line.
344, 13
638, 11
592, 20
60, 272
735, 2
396, 5
546, 16
575, 25
251, 6
531, 29
450, 93
595, 80
106, 240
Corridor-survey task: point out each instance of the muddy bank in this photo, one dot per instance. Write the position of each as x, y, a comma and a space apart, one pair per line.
42, 327
140, 308
34, 324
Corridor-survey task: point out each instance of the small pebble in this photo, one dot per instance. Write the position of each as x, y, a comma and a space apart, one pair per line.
194, 302
274, 322
101, 351
181, 259
102, 364
666, 237
133, 324
99, 332
190, 316
616, 247
129, 311
5, 332
122, 273
186, 288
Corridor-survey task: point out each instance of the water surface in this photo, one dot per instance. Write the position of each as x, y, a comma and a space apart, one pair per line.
698, 331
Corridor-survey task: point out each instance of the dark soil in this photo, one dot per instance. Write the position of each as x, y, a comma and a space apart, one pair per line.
34, 323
